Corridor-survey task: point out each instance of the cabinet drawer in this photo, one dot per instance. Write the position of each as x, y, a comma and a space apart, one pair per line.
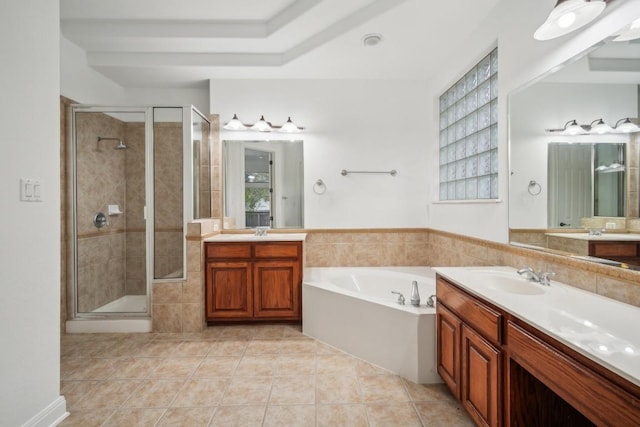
228, 250
614, 249
277, 250
476, 314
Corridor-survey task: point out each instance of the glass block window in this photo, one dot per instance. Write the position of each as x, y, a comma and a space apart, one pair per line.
469, 134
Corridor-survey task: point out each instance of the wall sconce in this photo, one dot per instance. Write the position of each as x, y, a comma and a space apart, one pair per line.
568, 16
262, 126
597, 127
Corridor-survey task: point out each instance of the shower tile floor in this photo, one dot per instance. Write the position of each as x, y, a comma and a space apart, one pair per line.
268, 375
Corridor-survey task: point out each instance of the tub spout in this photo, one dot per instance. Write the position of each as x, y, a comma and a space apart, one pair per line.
415, 295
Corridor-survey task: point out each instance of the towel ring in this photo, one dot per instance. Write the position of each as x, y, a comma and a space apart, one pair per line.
532, 186
319, 187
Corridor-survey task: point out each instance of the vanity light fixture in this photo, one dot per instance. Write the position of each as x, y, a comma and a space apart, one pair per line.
235, 124
262, 125
568, 16
600, 127
289, 127
627, 126
572, 128
597, 127
632, 32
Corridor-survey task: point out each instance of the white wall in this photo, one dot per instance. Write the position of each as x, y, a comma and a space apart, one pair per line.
351, 124
85, 85
549, 106
198, 97
521, 59
29, 231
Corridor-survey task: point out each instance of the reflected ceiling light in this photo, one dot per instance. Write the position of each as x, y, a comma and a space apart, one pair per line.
600, 127
262, 125
627, 126
289, 127
568, 16
235, 124
632, 32
572, 128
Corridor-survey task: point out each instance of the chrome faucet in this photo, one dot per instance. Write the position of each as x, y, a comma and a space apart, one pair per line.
400, 297
431, 301
595, 231
532, 276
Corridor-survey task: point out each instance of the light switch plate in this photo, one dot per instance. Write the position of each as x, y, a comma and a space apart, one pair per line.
30, 190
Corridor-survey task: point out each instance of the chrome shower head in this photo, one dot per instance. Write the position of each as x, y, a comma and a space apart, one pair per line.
121, 145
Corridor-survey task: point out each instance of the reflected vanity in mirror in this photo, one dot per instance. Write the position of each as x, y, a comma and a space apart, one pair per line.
584, 201
263, 184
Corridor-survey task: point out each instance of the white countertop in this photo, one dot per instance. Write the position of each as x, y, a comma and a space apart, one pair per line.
604, 330
632, 237
270, 237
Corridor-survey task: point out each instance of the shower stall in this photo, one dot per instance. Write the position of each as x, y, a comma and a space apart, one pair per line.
136, 176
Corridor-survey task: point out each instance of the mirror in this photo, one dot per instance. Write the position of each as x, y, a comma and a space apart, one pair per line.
263, 184
547, 191
585, 180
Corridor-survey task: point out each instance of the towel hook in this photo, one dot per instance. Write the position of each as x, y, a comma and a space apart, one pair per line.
532, 187
319, 187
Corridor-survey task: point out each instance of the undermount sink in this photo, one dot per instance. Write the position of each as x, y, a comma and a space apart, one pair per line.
509, 282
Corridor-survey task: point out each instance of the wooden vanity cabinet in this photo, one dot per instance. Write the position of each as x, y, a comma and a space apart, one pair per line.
506, 372
621, 251
253, 281
469, 358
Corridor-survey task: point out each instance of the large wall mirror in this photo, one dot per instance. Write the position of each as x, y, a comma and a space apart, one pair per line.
576, 183
263, 184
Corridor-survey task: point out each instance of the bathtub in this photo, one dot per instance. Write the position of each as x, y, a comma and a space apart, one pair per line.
354, 310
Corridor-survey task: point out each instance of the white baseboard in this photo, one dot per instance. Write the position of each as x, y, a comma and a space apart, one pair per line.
52, 415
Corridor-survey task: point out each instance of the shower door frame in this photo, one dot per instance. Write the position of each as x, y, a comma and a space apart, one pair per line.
148, 211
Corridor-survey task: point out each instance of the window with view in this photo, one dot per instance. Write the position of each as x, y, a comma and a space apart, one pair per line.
469, 134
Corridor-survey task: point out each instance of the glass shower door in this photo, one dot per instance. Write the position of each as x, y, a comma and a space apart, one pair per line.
109, 199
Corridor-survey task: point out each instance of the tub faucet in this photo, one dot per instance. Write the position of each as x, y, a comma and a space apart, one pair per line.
532, 276
400, 297
431, 301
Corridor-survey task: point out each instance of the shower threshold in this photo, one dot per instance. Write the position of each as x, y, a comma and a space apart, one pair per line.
125, 304
120, 316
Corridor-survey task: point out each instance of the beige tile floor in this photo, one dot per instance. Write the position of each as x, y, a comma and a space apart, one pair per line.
268, 375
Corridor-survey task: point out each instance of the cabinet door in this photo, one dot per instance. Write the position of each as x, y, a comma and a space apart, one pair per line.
448, 348
277, 287
481, 364
229, 291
